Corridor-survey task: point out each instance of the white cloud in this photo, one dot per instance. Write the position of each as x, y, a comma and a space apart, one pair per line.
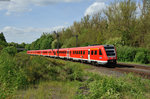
95, 8
29, 34
15, 6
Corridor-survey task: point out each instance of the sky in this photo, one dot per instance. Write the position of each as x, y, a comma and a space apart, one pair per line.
26, 20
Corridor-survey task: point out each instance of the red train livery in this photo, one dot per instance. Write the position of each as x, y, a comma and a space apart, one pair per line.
99, 54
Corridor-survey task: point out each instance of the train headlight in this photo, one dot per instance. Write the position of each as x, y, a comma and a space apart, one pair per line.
100, 57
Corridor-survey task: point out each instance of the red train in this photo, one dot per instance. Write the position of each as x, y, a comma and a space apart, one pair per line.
98, 54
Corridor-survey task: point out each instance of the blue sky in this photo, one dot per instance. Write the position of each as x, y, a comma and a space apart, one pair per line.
26, 20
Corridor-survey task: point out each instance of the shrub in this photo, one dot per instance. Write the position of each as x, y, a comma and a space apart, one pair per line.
11, 77
142, 56
10, 50
104, 87
130, 54
125, 53
74, 72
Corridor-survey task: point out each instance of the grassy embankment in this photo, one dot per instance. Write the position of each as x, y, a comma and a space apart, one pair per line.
35, 77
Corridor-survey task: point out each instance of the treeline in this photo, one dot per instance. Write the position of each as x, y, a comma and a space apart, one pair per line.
119, 24
4, 43
44, 42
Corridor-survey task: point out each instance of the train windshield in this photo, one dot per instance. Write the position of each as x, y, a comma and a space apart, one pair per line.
110, 51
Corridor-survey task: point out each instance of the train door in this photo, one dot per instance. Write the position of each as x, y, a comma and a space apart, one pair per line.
89, 55
68, 54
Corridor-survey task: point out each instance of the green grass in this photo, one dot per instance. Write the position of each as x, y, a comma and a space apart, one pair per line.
49, 90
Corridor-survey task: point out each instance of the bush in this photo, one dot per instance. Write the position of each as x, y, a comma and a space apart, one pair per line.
10, 50
104, 87
142, 56
130, 54
11, 77
74, 72
125, 53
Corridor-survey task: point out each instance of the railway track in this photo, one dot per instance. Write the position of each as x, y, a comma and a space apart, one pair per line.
121, 68
141, 70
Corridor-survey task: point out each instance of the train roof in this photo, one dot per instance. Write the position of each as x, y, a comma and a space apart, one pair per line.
90, 46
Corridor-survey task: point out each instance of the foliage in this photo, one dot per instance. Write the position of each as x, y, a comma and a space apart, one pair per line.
102, 87
22, 45
74, 72
3, 42
21, 70
125, 53
44, 42
130, 54
54, 44
142, 56
2, 38
114, 41
11, 77
10, 50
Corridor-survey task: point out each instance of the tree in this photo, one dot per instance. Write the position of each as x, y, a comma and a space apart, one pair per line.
2, 38
3, 42
122, 20
44, 42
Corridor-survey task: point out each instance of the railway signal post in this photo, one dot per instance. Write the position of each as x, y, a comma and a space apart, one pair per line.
57, 35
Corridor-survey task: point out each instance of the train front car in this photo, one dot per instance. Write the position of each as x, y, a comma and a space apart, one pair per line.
111, 54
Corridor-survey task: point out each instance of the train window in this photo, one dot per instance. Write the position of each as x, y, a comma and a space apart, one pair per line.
79, 52
83, 52
91, 52
100, 52
95, 52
